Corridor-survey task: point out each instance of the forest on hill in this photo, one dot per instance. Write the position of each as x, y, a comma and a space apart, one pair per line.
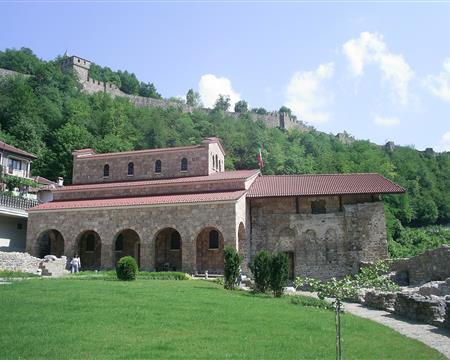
47, 114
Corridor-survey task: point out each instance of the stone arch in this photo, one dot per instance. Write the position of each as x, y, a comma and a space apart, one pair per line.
168, 250
89, 248
50, 242
210, 245
127, 243
331, 255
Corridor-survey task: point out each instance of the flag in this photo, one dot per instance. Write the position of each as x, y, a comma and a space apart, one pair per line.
260, 159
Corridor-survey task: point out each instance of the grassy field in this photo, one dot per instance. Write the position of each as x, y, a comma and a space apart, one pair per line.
75, 319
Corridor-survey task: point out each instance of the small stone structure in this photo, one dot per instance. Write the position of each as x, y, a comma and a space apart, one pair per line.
19, 261
432, 265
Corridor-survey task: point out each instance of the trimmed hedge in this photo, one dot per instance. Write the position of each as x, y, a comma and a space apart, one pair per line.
127, 268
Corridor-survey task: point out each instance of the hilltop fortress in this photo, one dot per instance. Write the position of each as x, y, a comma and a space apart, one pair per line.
81, 67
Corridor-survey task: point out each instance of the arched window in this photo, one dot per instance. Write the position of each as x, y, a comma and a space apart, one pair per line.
213, 239
90, 242
119, 243
106, 170
220, 165
217, 161
175, 241
184, 164
157, 166
130, 169
214, 162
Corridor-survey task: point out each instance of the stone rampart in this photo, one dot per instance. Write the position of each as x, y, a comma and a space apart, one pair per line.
432, 265
4, 73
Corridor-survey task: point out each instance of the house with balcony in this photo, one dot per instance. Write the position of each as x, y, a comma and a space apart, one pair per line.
14, 203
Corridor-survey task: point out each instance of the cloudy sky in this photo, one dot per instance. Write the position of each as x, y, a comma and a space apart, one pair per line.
379, 71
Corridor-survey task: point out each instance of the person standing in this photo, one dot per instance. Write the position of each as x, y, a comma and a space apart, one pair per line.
75, 264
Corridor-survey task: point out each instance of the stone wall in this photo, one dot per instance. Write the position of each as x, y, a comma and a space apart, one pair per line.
18, 261
188, 219
429, 266
4, 73
323, 245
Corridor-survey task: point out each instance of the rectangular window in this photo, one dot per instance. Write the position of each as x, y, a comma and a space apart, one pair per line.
15, 164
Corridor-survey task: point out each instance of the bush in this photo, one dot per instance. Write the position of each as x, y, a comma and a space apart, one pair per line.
163, 275
260, 268
126, 268
278, 273
233, 262
310, 301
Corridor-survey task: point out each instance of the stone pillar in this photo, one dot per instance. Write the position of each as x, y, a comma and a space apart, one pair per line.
189, 254
107, 261
147, 258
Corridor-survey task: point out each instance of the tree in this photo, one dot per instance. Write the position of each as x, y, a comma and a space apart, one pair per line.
278, 273
241, 106
149, 90
259, 111
223, 103
193, 98
260, 268
339, 290
232, 265
285, 109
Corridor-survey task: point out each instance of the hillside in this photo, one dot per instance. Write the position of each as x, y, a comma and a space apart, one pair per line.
49, 115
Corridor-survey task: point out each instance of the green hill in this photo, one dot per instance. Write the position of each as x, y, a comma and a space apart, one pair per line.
47, 114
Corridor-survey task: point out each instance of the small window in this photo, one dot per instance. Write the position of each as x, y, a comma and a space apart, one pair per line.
217, 161
175, 241
130, 169
90, 242
220, 165
184, 164
214, 162
15, 164
213, 239
119, 243
157, 166
106, 170
318, 207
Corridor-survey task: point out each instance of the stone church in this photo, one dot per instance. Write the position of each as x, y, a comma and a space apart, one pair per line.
176, 209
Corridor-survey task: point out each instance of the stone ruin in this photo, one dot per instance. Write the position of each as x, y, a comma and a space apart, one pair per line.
424, 295
19, 261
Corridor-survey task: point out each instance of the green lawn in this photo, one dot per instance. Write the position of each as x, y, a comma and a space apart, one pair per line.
76, 319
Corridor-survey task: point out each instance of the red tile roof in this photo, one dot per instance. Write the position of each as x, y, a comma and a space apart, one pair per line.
13, 149
221, 176
140, 201
326, 184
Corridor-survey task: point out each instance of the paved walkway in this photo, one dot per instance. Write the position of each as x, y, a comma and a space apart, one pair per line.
435, 337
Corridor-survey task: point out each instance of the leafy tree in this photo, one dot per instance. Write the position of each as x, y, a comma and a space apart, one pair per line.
285, 109
223, 103
232, 265
241, 106
149, 90
259, 111
129, 84
193, 98
278, 273
260, 268
23, 60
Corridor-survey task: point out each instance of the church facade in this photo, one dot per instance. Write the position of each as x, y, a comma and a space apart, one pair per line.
176, 209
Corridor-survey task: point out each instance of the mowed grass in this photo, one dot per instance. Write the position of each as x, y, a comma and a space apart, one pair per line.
74, 319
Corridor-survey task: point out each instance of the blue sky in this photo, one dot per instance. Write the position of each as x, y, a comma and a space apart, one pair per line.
379, 71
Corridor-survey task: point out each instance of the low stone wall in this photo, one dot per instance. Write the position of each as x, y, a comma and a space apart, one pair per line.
432, 265
431, 310
380, 300
20, 261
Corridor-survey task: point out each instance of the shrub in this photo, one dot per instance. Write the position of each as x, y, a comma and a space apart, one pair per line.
310, 301
163, 275
278, 273
126, 268
233, 262
260, 268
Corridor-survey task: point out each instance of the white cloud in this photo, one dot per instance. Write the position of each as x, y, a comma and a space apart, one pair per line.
305, 95
445, 142
386, 121
211, 86
370, 48
439, 85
